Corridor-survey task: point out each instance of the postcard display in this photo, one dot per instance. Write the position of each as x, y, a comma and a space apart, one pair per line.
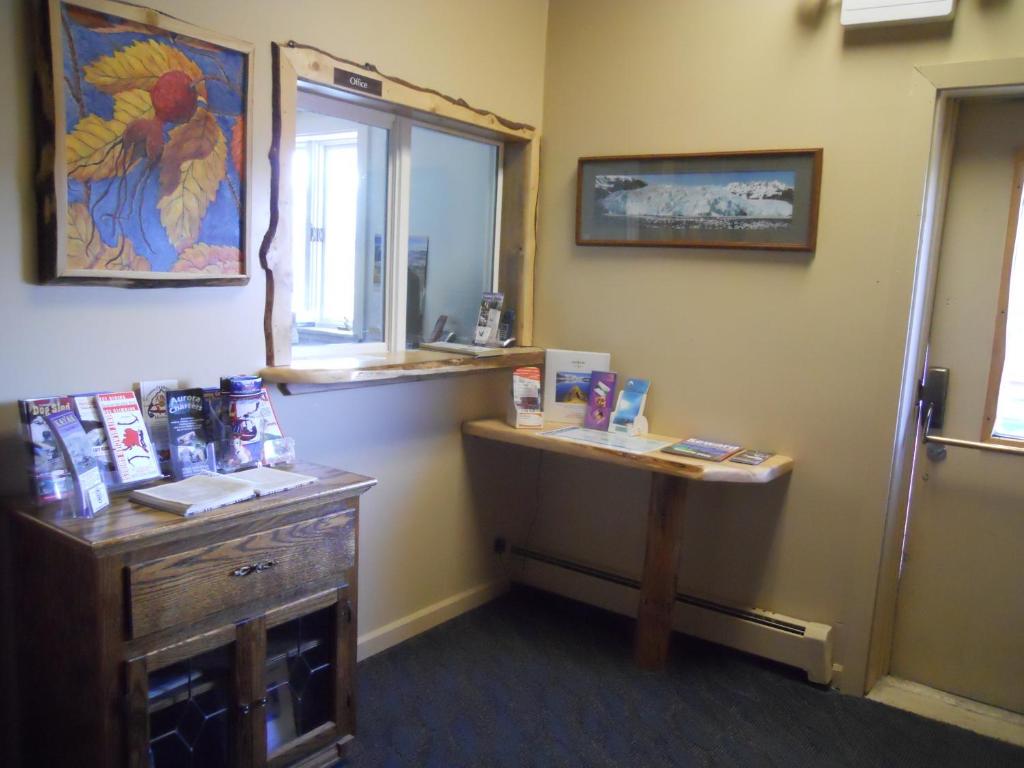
82, 446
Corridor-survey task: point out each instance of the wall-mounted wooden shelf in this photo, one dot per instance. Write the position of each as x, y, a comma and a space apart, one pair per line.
655, 461
304, 376
670, 477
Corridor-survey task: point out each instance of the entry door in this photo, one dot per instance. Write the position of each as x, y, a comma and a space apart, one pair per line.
960, 606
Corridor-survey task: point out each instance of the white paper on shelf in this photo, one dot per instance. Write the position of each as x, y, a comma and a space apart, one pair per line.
474, 350
618, 442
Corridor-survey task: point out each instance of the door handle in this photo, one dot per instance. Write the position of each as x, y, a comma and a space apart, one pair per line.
973, 444
932, 399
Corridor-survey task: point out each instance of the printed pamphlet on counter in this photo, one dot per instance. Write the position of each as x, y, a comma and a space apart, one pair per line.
696, 448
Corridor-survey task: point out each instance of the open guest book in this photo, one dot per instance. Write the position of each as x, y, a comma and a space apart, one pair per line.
203, 492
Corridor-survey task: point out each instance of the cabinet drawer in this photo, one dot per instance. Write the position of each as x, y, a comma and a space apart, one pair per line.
183, 588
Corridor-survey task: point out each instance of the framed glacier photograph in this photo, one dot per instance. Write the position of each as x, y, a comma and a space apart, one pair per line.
766, 200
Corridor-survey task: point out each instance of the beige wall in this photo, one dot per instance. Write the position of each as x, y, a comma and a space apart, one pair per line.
797, 354
422, 540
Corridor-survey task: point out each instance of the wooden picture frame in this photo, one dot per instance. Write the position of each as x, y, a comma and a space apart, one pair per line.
764, 200
145, 148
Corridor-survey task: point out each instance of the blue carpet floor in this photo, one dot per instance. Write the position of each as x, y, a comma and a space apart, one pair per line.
535, 680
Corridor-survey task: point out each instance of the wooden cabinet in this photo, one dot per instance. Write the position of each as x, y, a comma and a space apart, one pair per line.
228, 639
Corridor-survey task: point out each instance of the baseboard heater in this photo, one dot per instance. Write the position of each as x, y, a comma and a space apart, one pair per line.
802, 644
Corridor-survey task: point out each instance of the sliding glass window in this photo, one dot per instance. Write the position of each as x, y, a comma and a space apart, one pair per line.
376, 196
339, 224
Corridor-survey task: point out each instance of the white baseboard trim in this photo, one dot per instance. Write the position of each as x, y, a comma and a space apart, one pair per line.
810, 651
402, 629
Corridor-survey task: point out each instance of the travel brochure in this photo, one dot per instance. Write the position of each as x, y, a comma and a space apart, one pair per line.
489, 321
192, 450
241, 411
108, 441
80, 461
600, 400
49, 479
751, 457
707, 450
567, 383
153, 399
129, 438
695, 448
525, 409
92, 422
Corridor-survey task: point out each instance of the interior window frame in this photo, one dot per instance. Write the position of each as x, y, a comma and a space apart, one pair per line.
396, 256
516, 205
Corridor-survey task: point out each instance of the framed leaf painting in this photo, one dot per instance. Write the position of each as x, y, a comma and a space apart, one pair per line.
144, 178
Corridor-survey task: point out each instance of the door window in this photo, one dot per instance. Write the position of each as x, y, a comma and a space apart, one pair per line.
1007, 378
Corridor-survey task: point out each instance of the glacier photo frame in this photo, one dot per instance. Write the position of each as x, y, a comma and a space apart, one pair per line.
762, 200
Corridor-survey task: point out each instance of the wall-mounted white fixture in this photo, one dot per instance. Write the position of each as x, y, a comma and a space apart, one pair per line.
862, 13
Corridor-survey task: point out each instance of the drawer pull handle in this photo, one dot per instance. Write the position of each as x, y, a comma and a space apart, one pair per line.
251, 568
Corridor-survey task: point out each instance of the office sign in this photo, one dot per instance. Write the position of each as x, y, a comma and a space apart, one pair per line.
355, 82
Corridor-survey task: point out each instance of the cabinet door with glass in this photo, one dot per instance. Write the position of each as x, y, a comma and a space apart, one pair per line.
270, 691
307, 676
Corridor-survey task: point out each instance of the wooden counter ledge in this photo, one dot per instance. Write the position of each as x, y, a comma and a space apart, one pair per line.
655, 461
321, 374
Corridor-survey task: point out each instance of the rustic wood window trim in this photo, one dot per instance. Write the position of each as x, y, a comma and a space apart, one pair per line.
1002, 310
293, 63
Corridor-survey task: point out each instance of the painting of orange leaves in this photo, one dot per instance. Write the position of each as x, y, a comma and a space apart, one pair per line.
150, 120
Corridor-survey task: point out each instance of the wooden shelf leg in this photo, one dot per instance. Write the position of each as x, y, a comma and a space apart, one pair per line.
658, 586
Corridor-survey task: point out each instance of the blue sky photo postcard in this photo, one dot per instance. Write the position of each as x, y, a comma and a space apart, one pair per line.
630, 406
